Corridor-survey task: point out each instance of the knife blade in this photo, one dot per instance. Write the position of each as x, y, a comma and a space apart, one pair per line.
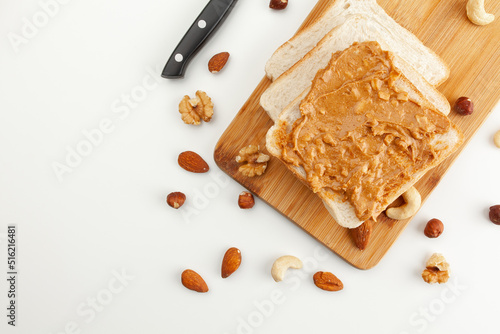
203, 27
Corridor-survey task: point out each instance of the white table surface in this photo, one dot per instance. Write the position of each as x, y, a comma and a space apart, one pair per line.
99, 251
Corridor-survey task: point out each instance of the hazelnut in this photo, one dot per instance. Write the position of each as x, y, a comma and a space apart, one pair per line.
176, 199
278, 4
495, 214
464, 106
434, 228
246, 201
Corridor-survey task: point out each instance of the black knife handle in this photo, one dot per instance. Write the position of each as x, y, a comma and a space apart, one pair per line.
204, 25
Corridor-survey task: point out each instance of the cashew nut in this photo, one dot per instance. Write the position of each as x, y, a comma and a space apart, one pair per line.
496, 139
477, 14
413, 201
281, 265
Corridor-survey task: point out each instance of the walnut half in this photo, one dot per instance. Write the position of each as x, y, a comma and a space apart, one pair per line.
193, 110
252, 161
437, 270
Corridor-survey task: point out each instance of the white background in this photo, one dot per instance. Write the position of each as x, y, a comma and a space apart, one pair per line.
108, 215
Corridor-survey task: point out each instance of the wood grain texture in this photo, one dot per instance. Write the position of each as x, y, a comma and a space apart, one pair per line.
473, 54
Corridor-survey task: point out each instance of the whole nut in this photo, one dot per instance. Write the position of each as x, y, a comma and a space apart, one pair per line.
282, 264
361, 234
327, 281
192, 162
176, 199
464, 106
412, 200
477, 14
246, 200
193, 281
496, 139
437, 270
495, 214
252, 161
434, 228
278, 4
217, 62
193, 110
231, 262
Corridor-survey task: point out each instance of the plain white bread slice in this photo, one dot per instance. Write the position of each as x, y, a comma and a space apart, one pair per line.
342, 211
356, 28
425, 61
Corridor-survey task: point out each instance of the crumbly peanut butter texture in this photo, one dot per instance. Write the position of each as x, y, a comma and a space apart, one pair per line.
360, 134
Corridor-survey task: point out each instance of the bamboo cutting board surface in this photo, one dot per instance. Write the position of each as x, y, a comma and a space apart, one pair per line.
473, 54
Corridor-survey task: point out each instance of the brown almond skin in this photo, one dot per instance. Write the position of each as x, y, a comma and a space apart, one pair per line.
495, 214
192, 162
231, 262
193, 281
361, 234
278, 4
327, 281
434, 228
176, 199
217, 62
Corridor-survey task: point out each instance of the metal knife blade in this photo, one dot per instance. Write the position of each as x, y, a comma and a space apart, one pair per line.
203, 27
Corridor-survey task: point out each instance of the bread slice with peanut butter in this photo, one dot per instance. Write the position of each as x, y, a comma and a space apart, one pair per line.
362, 134
414, 59
339, 13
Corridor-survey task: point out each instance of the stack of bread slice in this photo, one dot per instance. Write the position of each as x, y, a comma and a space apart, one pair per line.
344, 25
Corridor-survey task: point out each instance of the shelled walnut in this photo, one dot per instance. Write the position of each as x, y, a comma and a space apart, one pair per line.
252, 161
193, 110
437, 270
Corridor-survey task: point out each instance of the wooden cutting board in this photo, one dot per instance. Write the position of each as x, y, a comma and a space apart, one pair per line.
473, 54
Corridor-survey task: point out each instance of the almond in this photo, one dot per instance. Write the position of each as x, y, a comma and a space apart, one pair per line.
327, 281
191, 280
361, 234
217, 62
278, 4
192, 162
231, 262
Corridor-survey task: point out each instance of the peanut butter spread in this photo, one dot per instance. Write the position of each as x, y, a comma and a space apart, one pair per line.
360, 134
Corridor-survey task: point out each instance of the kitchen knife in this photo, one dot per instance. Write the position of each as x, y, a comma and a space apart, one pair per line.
205, 24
